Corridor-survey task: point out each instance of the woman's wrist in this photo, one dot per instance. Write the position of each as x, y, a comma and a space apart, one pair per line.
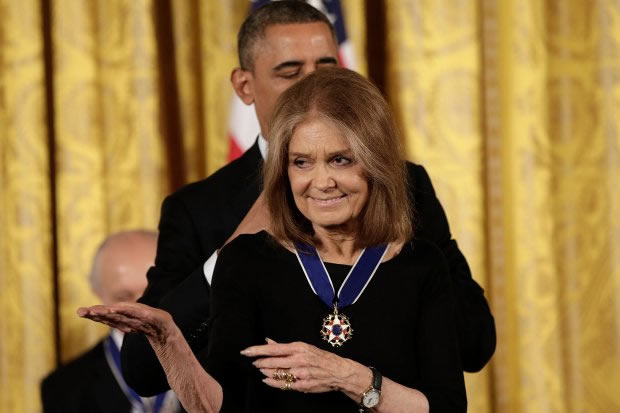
356, 379
165, 335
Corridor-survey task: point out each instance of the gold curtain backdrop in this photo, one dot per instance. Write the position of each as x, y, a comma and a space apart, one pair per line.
27, 327
433, 82
513, 107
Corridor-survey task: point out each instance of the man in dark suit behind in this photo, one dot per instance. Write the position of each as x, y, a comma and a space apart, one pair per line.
278, 44
92, 382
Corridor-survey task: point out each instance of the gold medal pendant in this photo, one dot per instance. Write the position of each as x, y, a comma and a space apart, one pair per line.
336, 328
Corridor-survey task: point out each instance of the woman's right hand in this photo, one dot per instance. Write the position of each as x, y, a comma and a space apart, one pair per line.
154, 323
195, 388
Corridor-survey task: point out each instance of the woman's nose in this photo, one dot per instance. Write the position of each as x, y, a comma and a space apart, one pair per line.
323, 178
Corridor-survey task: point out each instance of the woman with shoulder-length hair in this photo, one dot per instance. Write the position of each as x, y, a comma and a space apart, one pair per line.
337, 307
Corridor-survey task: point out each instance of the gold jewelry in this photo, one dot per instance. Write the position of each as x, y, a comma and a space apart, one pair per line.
287, 376
290, 377
279, 374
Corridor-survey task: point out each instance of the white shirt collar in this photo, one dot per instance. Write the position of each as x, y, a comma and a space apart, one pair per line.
262, 146
117, 336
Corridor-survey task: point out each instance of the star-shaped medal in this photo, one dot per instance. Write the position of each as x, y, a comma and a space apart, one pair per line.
336, 329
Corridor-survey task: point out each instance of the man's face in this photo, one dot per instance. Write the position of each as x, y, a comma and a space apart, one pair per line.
123, 270
286, 54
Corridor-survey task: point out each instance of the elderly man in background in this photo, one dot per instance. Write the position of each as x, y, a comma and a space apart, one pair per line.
93, 382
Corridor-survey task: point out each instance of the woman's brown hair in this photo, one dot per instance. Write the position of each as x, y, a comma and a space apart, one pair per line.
357, 108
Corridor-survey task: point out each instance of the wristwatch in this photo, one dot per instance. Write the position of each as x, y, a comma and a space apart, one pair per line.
371, 397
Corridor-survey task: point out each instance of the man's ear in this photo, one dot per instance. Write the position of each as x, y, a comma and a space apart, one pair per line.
242, 84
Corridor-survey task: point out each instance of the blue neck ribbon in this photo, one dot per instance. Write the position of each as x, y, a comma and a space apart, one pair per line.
114, 351
354, 284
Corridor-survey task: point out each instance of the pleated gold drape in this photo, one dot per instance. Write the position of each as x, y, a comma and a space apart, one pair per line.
514, 108
27, 343
97, 125
108, 105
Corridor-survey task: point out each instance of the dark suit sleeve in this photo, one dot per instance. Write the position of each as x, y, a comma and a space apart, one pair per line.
179, 251
441, 373
169, 286
475, 323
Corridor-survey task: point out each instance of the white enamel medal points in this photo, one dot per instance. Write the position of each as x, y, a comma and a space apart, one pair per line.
336, 328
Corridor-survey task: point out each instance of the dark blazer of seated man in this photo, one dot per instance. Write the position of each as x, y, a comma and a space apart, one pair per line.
293, 39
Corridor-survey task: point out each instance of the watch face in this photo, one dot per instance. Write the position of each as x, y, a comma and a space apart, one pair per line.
371, 398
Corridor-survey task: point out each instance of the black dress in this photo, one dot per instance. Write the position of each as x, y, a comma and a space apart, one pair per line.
403, 324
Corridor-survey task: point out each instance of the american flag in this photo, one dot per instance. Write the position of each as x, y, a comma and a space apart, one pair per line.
242, 124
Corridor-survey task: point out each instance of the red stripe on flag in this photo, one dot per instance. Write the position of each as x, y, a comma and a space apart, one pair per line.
234, 151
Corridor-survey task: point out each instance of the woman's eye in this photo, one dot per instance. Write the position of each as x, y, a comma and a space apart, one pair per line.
341, 160
300, 163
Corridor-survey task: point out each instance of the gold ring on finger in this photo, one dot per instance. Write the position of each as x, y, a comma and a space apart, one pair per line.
290, 377
279, 374
287, 385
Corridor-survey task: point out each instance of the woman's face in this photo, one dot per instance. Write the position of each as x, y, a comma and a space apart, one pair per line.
328, 186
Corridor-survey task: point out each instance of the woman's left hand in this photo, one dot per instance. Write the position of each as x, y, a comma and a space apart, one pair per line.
314, 370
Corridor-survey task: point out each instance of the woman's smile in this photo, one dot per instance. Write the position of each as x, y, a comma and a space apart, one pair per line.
328, 201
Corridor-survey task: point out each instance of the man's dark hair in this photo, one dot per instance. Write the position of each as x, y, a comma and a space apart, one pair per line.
275, 12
